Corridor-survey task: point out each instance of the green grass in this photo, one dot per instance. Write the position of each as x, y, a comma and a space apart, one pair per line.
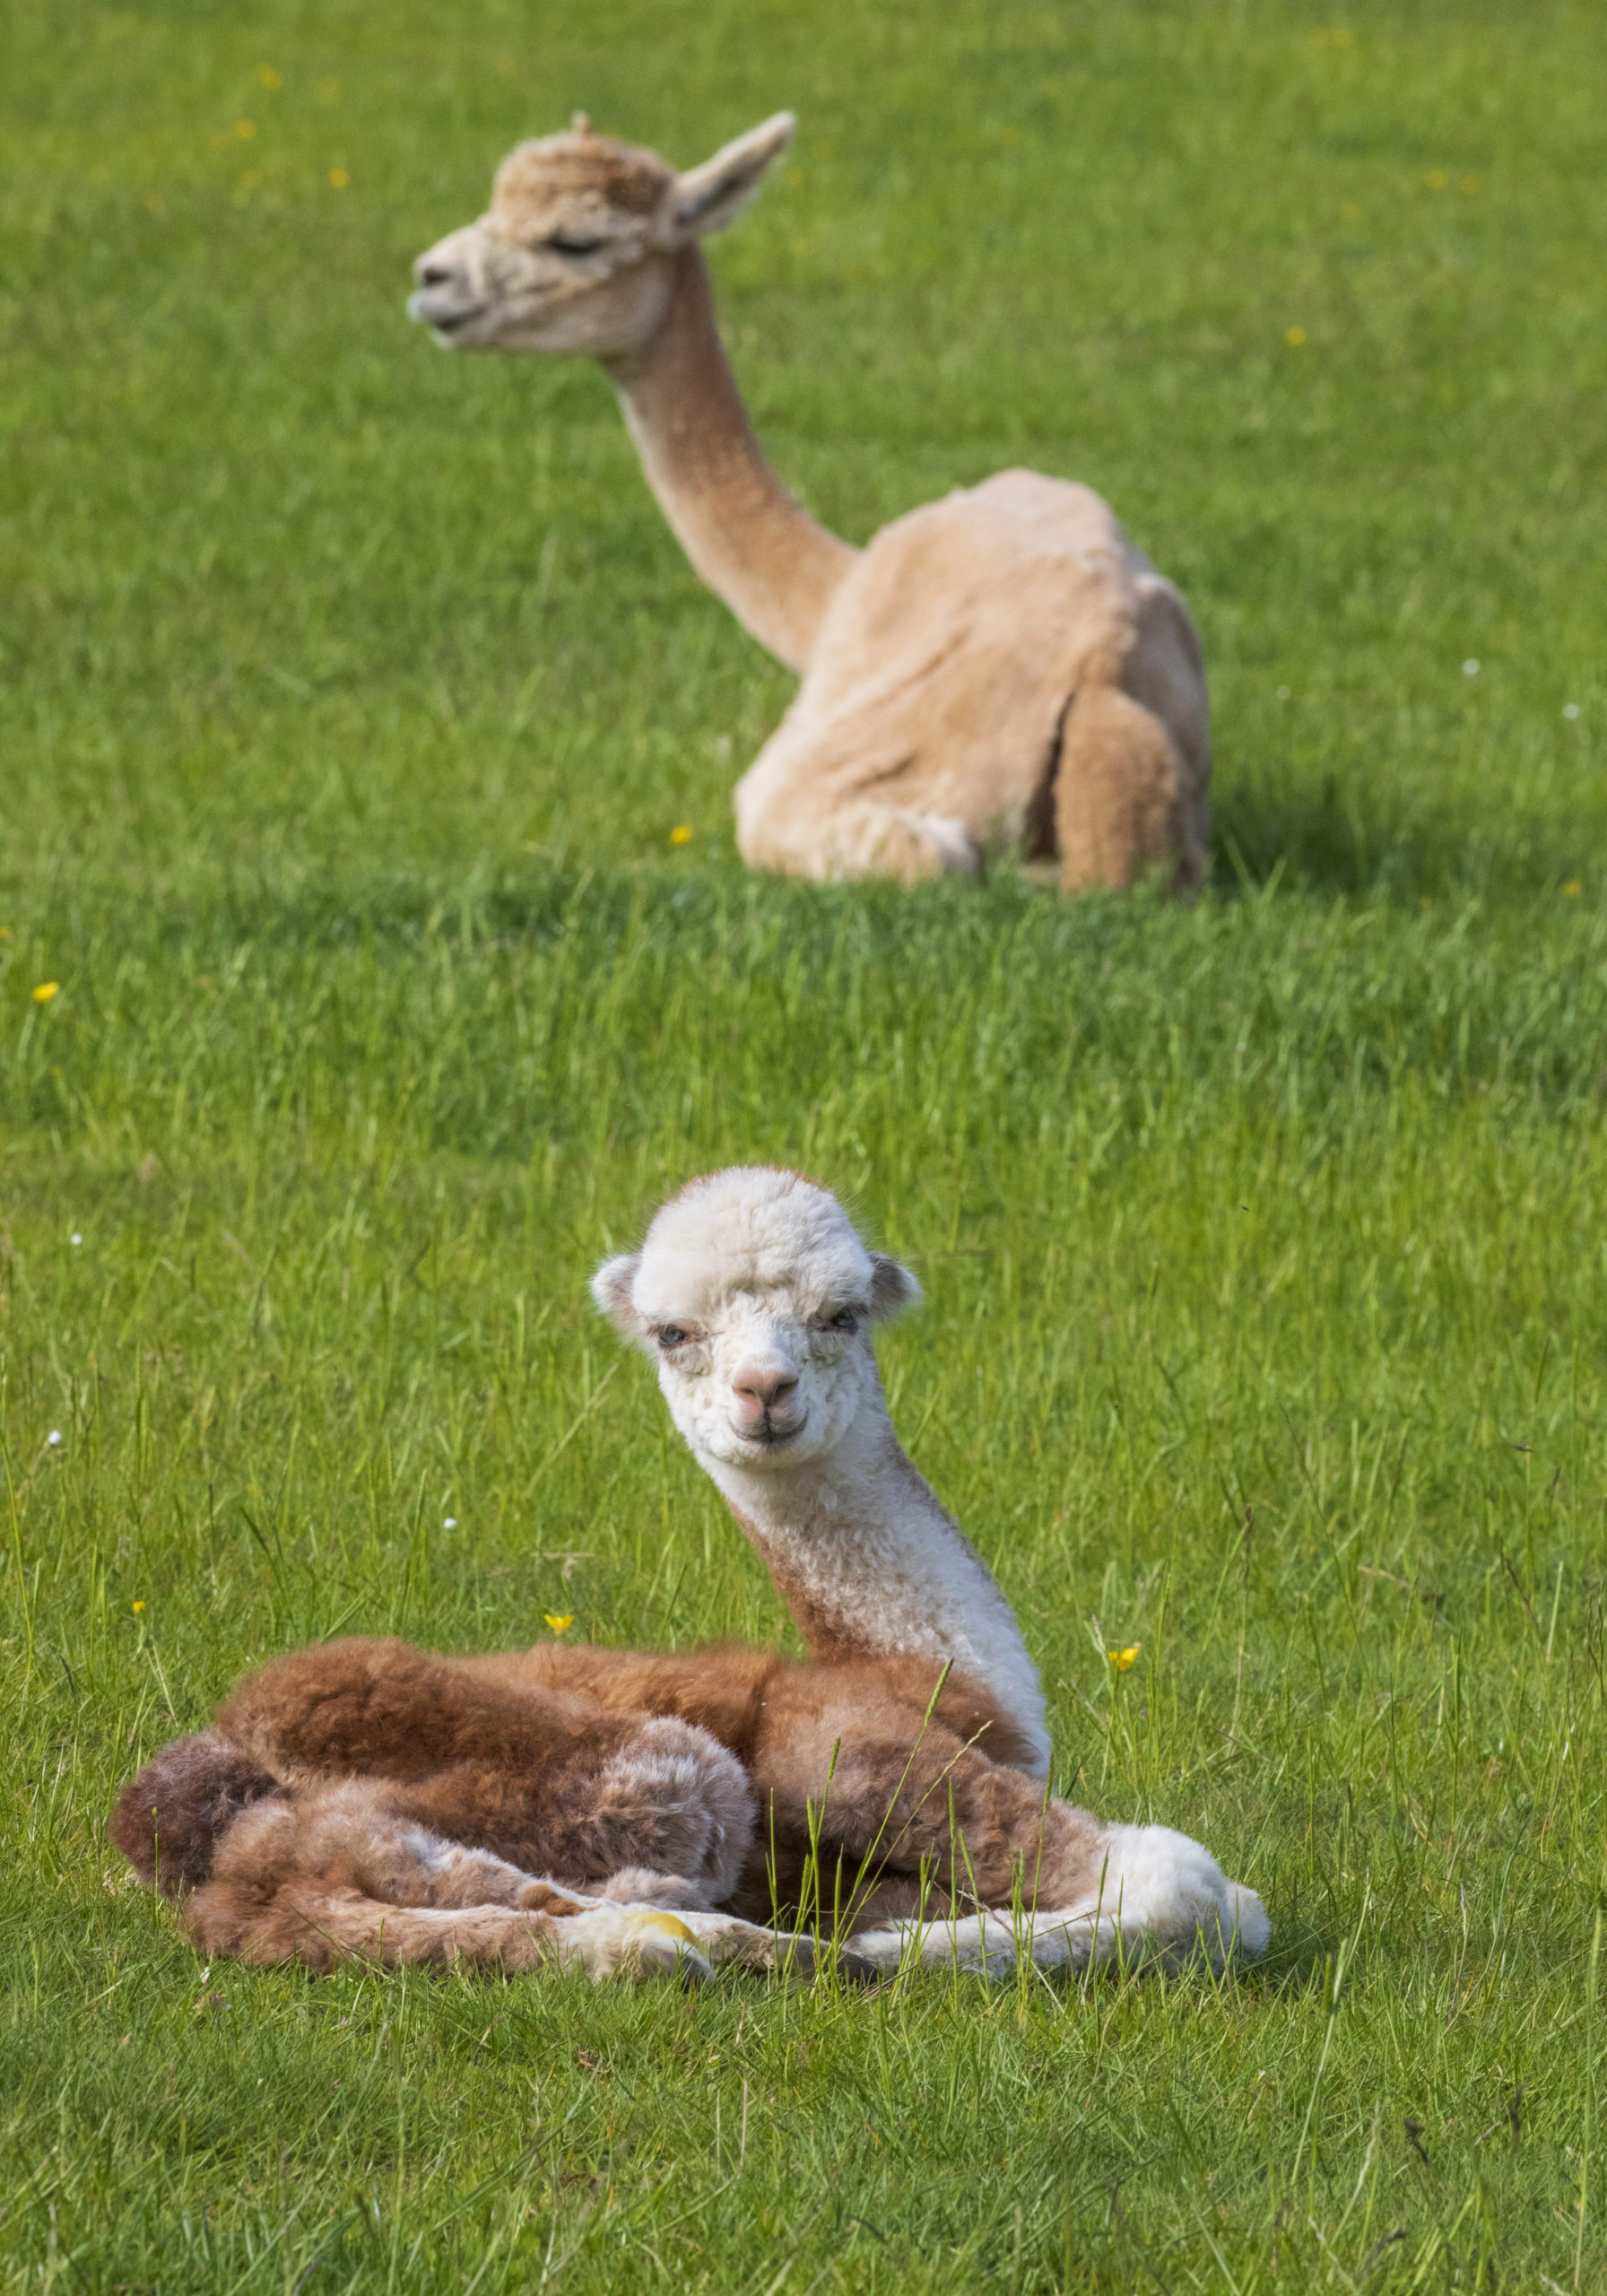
348, 695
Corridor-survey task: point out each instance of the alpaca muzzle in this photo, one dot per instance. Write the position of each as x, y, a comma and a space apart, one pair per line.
774, 1432
449, 288
768, 1407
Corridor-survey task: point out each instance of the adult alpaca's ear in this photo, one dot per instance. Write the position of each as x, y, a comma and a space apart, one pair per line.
709, 198
892, 1288
610, 1288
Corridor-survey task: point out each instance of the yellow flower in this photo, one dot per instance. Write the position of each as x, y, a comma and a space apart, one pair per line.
559, 1620
1123, 1659
245, 129
1294, 336
266, 77
1571, 891
681, 836
1435, 179
138, 1608
45, 991
339, 177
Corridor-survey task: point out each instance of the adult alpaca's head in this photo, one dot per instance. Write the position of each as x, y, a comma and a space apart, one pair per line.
756, 1296
576, 251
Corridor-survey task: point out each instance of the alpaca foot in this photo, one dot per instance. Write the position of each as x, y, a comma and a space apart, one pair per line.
638, 1941
1162, 1898
726, 1940
631, 1941
611, 1940
645, 1885
947, 835
1159, 1898
983, 1944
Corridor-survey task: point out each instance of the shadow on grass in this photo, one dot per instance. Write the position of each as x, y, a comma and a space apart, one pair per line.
1363, 845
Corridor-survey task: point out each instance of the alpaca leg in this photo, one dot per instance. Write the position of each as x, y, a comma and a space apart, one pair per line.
665, 1795
345, 1877
674, 1799
1166, 1898
347, 1872
922, 1803
321, 1927
793, 827
360, 1835
1158, 1898
725, 1941
981, 1943
356, 1835
983, 1837
535, 1775
364, 1707
1120, 796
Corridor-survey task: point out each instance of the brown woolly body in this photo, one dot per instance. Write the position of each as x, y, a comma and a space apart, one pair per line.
510, 1754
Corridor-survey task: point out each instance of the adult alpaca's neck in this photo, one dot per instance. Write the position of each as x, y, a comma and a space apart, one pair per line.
756, 547
871, 1566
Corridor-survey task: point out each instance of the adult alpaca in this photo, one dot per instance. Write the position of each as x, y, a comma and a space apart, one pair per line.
919, 1719
999, 667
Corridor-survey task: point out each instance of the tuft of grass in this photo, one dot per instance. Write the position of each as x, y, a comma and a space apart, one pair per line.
348, 698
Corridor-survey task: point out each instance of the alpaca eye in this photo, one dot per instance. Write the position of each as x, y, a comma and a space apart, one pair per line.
574, 246
671, 1335
845, 1319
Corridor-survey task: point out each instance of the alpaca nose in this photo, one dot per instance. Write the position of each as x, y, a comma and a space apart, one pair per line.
445, 297
763, 1388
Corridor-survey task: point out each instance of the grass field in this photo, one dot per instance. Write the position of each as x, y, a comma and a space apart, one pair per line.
348, 696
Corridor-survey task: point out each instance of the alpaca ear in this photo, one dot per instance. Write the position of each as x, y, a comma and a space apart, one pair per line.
709, 198
892, 1288
610, 1288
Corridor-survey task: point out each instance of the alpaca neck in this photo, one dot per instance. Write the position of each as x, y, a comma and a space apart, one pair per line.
754, 546
872, 1566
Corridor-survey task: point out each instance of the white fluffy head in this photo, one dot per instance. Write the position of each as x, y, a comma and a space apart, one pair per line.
756, 1295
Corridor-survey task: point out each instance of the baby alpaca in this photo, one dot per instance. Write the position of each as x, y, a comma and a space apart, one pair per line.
368, 1797
756, 1299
